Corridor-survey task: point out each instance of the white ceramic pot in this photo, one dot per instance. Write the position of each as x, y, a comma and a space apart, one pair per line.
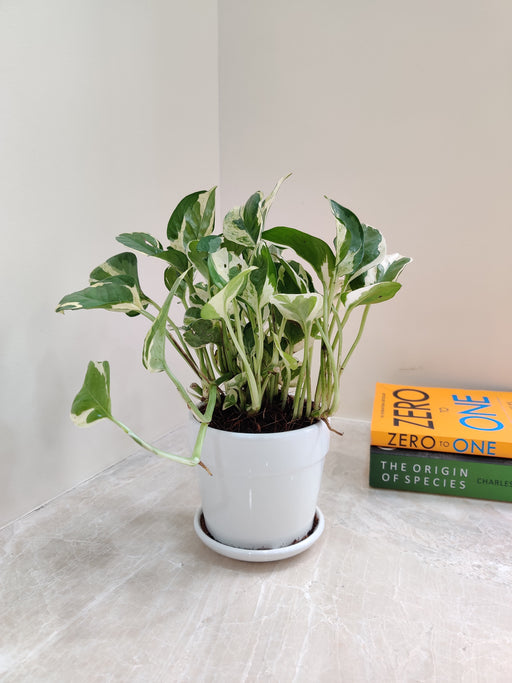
264, 487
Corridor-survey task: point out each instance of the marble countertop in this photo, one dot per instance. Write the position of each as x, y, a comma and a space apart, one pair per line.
108, 582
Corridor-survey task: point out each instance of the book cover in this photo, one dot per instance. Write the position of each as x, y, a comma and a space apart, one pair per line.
460, 421
441, 473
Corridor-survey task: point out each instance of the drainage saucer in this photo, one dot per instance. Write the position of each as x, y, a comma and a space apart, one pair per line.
259, 555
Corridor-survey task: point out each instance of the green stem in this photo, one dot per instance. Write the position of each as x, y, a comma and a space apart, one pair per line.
171, 456
196, 453
285, 387
332, 395
300, 393
182, 352
357, 339
251, 380
208, 413
184, 394
260, 344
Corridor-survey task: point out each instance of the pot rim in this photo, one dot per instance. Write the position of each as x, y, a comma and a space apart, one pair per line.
267, 435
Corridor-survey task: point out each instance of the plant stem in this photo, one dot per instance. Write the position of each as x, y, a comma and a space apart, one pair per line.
147, 446
301, 391
184, 394
333, 396
251, 380
357, 339
182, 352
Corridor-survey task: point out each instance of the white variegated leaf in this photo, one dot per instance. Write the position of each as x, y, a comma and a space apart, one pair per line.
301, 308
93, 400
218, 306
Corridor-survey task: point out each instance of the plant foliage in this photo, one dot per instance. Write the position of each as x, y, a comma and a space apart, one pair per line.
253, 319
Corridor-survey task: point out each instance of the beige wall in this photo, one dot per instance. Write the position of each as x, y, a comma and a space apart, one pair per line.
400, 110
108, 117
109, 114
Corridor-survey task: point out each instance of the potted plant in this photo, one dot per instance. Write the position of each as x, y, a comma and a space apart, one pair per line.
265, 335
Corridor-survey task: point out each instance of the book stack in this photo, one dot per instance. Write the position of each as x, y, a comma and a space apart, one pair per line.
446, 441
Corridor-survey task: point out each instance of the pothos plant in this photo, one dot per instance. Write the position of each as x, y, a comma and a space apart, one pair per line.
252, 318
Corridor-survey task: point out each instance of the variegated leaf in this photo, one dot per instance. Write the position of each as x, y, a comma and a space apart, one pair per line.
93, 400
234, 229
192, 219
224, 265
217, 307
312, 249
370, 294
348, 241
374, 250
267, 202
153, 353
301, 308
117, 293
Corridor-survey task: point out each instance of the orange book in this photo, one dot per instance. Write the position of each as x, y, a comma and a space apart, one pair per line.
468, 422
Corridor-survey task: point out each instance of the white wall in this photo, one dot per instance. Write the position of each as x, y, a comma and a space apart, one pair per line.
108, 116
401, 111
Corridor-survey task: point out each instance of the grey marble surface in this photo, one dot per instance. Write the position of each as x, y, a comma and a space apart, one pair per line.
108, 582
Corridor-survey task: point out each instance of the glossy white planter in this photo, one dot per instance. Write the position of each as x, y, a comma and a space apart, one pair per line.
264, 487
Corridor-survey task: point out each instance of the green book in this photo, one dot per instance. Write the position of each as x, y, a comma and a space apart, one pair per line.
469, 476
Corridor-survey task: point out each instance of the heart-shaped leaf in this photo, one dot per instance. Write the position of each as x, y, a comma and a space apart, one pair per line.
371, 294
202, 332
192, 219
217, 306
117, 293
349, 240
93, 400
301, 308
153, 353
312, 249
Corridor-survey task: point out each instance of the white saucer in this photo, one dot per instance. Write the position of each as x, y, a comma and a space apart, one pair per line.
259, 555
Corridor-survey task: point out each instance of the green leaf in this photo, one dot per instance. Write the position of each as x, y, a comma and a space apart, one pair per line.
243, 225
232, 388
147, 244
294, 333
301, 308
262, 282
191, 315
121, 264
117, 293
199, 259
141, 241
252, 218
223, 265
202, 332
93, 400
267, 202
374, 250
288, 360
171, 275
349, 240
217, 306
390, 267
153, 352
192, 219
209, 244
312, 249
293, 278
235, 230
371, 294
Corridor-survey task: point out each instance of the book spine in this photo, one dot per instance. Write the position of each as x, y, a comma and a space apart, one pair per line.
441, 473
445, 444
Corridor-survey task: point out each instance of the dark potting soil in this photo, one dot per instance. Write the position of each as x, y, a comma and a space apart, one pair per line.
269, 420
